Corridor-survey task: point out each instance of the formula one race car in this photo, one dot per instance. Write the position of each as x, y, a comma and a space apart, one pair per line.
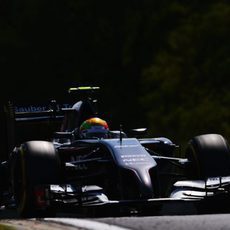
103, 175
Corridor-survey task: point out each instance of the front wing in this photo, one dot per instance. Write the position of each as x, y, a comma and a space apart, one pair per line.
204, 196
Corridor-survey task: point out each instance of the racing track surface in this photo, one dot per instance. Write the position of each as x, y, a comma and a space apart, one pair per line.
173, 218
188, 222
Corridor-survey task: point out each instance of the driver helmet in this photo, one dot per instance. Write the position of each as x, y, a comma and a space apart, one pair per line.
94, 128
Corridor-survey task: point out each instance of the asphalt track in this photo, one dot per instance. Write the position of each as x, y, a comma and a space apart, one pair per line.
177, 222
178, 218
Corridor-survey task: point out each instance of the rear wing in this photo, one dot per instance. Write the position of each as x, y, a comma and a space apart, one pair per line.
39, 122
84, 91
32, 122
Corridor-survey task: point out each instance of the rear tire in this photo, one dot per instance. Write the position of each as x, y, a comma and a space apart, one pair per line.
209, 155
34, 163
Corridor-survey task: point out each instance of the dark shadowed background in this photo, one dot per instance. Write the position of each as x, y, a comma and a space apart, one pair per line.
160, 64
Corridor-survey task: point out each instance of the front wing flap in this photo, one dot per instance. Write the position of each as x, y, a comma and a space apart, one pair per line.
88, 196
75, 199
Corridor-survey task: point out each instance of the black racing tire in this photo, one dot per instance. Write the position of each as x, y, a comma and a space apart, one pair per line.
209, 156
34, 163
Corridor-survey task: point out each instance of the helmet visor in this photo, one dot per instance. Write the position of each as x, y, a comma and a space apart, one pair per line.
96, 135
96, 132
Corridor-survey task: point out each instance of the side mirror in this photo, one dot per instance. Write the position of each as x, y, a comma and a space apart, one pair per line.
67, 135
139, 132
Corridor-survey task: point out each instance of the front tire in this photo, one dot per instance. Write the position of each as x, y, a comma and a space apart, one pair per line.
209, 156
34, 163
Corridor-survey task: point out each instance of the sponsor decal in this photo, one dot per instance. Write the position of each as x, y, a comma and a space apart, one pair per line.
30, 109
34, 108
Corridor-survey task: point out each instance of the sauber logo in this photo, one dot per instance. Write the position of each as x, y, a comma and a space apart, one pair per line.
32, 108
